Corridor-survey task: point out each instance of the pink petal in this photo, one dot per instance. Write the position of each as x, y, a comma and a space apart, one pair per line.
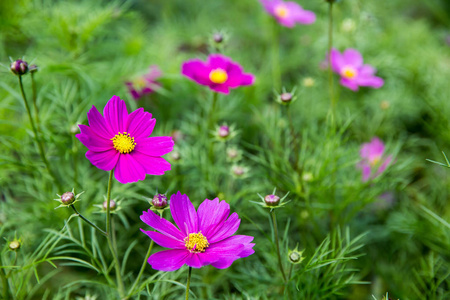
211, 215
372, 150
116, 114
92, 141
348, 83
216, 61
220, 88
337, 61
183, 213
155, 146
384, 165
168, 260
162, 225
226, 229
150, 164
298, 14
140, 124
373, 82
98, 124
105, 160
194, 261
353, 57
237, 77
128, 169
165, 241
196, 70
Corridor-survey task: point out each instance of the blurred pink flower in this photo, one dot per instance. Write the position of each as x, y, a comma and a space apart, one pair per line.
120, 141
145, 84
349, 65
372, 162
288, 13
219, 73
203, 237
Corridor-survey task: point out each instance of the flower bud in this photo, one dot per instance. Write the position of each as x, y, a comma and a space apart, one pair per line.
385, 105
307, 176
286, 97
159, 201
177, 135
272, 200
238, 170
308, 82
295, 256
67, 198
19, 67
14, 245
33, 69
224, 131
232, 153
175, 155
112, 205
218, 38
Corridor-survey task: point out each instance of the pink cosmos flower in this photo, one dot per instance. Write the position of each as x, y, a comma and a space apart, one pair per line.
219, 73
372, 161
353, 72
145, 84
288, 13
120, 141
203, 237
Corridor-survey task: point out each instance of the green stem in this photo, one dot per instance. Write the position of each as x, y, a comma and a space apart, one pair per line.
275, 230
75, 160
330, 73
36, 111
4, 280
36, 136
276, 73
188, 283
212, 111
87, 221
109, 238
144, 264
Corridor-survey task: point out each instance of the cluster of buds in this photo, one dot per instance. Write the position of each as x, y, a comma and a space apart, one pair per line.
68, 198
272, 201
285, 97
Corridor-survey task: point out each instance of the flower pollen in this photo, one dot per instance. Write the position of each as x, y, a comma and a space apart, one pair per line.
123, 142
349, 72
196, 242
218, 76
281, 11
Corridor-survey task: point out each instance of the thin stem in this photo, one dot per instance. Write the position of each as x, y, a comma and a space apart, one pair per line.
330, 73
290, 271
188, 283
275, 230
4, 280
212, 111
89, 222
109, 238
36, 136
34, 96
144, 264
276, 73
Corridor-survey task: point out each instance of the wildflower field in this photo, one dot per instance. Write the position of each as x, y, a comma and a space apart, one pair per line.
241, 149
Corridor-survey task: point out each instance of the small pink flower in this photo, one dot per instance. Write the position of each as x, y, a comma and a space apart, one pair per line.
372, 162
120, 141
145, 84
288, 13
203, 237
349, 65
219, 73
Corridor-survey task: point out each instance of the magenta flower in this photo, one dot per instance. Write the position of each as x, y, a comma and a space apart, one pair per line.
372, 161
146, 84
203, 237
288, 13
120, 141
353, 72
219, 73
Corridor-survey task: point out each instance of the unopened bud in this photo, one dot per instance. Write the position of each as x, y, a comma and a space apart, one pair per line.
218, 38
159, 201
19, 67
33, 69
232, 153
238, 170
112, 205
224, 131
14, 245
67, 198
294, 257
384, 105
175, 155
272, 200
286, 97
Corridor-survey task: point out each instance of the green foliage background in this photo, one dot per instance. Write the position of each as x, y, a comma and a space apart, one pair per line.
85, 51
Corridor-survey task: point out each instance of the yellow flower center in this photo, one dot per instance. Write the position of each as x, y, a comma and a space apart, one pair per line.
375, 161
123, 142
349, 72
281, 11
196, 242
140, 83
218, 76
